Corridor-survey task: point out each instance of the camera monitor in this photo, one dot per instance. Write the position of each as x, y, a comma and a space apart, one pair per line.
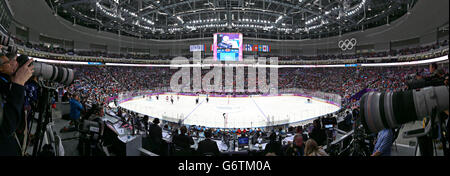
242, 142
201, 134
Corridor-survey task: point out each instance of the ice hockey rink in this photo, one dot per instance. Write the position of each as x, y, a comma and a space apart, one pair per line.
231, 112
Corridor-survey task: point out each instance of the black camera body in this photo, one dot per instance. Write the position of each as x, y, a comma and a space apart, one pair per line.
90, 129
426, 82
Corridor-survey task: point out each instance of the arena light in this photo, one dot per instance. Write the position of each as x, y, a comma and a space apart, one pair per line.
279, 19
206, 20
355, 9
181, 20
313, 20
439, 59
64, 62
106, 12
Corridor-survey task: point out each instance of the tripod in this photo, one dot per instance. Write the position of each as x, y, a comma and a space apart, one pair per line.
357, 146
435, 129
45, 117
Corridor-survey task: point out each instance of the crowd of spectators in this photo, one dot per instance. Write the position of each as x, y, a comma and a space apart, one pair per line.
145, 56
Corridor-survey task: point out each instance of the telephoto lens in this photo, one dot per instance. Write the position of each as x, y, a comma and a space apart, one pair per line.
392, 109
49, 72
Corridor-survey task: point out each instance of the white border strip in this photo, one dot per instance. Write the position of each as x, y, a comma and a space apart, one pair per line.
439, 59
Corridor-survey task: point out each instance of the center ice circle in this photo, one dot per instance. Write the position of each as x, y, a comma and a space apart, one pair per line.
235, 112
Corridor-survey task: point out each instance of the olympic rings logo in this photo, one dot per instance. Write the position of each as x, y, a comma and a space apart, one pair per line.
347, 44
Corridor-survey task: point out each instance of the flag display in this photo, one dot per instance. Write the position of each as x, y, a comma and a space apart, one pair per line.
251, 48
248, 47
265, 48
197, 48
255, 48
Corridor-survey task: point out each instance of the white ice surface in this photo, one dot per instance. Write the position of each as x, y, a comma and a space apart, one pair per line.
245, 112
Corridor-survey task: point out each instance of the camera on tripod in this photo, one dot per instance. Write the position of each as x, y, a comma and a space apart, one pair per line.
392, 109
424, 99
91, 130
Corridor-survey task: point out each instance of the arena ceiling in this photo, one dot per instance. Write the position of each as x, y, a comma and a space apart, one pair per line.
271, 19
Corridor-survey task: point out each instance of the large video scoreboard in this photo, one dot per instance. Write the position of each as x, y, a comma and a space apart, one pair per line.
228, 47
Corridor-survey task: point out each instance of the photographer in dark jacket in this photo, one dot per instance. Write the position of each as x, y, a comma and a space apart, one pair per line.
12, 92
208, 146
182, 140
318, 134
156, 140
273, 148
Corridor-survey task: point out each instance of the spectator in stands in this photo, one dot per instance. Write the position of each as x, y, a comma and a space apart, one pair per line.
318, 134
300, 131
208, 146
273, 148
66, 96
296, 148
312, 149
156, 140
383, 143
291, 130
183, 140
348, 121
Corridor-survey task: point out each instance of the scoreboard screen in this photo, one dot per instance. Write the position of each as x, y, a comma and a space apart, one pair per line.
228, 47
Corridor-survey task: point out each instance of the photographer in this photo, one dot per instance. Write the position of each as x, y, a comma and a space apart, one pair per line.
435, 71
436, 78
75, 109
12, 90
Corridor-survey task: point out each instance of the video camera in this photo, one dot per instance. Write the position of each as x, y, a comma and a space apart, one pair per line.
91, 130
